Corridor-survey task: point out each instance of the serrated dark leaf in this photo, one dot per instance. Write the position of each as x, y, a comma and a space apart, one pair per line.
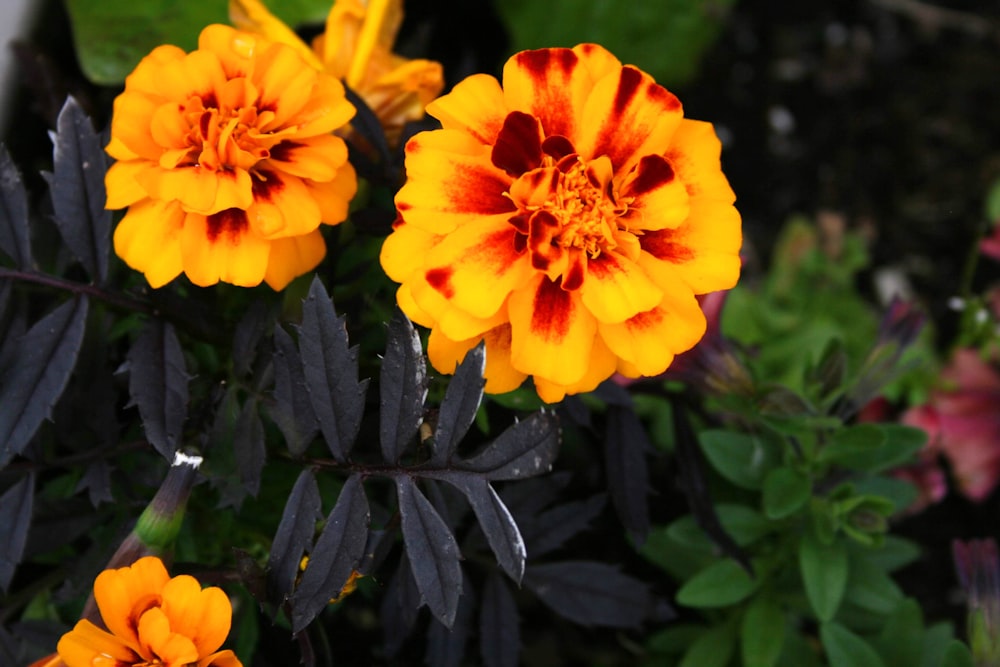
446, 646
292, 409
96, 481
331, 372
461, 402
691, 464
499, 625
496, 522
44, 360
248, 446
432, 550
15, 237
16, 506
625, 446
77, 189
402, 388
294, 536
249, 332
8, 648
589, 593
336, 553
549, 530
525, 449
400, 606
158, 385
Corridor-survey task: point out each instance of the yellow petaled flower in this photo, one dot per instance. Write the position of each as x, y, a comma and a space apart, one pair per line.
568, 218
152, 619
357, 47
227, 163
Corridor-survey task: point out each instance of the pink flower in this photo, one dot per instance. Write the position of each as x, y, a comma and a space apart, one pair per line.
962, 420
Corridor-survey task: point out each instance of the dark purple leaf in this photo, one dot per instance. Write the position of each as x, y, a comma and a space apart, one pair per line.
246, 339
15, 237
402, 387
497, 524
42, 365
446, 646
292, 409
331, 371
549, 530
399, 607
8, 648
627, 473
293, 537
15, 518
460, 404
77, 188
589, 593
691, 464
248, 446
96, 481
525, 449
499, 625
334, 556
250, 574
432, 551
158, 385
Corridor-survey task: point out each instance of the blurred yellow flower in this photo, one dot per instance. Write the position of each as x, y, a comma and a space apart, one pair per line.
568, 218
227, 163
152, 619
357, 47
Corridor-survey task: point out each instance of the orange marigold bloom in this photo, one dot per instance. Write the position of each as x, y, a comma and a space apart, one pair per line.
357, 47
568, 218
152, 619
227, 163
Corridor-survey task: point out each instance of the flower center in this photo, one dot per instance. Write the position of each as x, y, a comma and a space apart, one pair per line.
222, 137
569, 213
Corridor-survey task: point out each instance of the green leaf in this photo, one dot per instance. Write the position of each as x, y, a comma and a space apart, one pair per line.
712, 649
112, 36
824, 571
846, 649
873, 447
869, 586
785, 492
720, 584
762, 633
958, 655
897, 642
742, 459
744, 524
936, 641
663, 37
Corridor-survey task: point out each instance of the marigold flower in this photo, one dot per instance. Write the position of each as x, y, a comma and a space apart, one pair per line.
152, 619
356, 46
227, 162
568, 218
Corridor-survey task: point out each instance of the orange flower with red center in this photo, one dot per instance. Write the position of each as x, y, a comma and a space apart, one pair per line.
152, 619
568, 218
227, 163
356, 46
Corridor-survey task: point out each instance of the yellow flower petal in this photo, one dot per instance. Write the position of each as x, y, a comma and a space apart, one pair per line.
475, 105
615, 288
122, 595
658, 198
501, 376
253, 16
122, 183
222, 247
157, 641
600, 366
291, 257
221, 659
333, 197
199, 190
86, 645
551, 85
203, 616
148, 240
552, 333
282, 206
694, 155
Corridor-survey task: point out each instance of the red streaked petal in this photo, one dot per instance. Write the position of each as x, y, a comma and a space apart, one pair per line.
694, 154
549, 84
282, 206
450, 182
477, 266
405, 250
661, 200
222, 247
552, 333
615, 288
704, 251
317, 157
626, 116
518, 146
475, 105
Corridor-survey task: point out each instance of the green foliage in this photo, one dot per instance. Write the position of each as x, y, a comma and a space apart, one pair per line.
666, 38
112, 36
